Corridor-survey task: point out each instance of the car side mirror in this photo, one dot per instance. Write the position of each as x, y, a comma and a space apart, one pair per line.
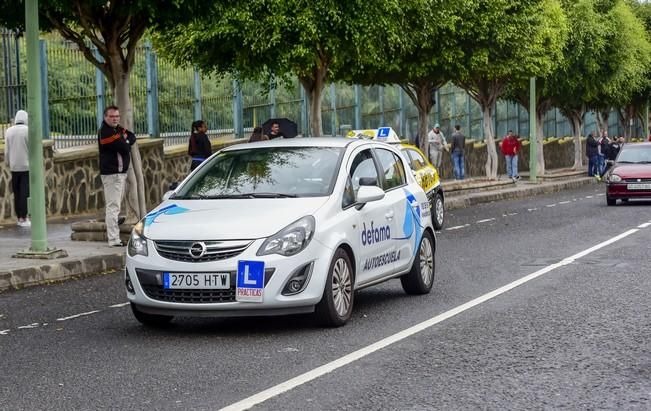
368, 181
368, 193
174, 185
167, 195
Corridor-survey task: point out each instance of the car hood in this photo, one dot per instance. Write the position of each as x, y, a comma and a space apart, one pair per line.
227, 219
632, 170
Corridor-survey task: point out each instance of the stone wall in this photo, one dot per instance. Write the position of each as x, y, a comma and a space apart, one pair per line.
73, 185
559, 153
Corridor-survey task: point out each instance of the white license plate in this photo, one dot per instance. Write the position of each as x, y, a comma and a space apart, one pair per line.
639, 186
194, 281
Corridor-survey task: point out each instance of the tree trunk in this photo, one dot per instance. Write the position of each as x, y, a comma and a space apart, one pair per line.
313, 87
602, 120
489, 134
135, 187
420, 93
540, 136
576, 119
626, 116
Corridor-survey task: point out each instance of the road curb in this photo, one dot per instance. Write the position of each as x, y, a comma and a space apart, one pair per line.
521, 191
59, 271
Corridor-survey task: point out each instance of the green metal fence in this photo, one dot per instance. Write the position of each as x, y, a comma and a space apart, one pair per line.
166, 99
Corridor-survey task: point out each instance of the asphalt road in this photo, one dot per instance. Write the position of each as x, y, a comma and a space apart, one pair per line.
576, 336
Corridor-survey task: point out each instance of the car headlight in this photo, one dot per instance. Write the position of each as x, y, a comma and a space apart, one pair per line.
291, 239
138, 241
614, 178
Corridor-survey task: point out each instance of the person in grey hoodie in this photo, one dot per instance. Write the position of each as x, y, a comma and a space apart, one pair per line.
17, 159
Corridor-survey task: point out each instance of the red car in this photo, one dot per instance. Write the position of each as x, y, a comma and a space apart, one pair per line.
630, 175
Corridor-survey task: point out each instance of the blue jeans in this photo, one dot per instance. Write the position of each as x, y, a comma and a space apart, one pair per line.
458, 164
593, 166
601, 164
512, 165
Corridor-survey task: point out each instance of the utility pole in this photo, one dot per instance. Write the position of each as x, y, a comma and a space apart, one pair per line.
533, 161
36, 202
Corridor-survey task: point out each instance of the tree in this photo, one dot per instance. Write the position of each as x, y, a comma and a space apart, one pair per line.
505, 41
257, 38
604, 62
114, 29
421, 59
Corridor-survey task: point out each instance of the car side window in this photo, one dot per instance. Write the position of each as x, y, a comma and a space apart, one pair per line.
417, 160
392, 168
361, 166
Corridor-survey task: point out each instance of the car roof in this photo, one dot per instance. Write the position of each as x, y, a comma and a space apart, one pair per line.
304, 142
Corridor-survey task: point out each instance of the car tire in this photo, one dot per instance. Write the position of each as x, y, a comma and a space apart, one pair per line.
611, 201
150, 320
420, 278
438, 211
336, 305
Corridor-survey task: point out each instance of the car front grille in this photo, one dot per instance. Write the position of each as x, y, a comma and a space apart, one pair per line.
151, 282
635, 180
213, 250
157, 292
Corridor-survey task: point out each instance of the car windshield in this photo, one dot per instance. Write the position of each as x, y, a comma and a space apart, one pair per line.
265, 172
635, 154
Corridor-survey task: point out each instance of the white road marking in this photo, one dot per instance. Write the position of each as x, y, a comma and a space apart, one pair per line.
487, 220
645, 225
564, 202
4, 332
601, 194
118, 305
550, 205
24, 327
589, 196
457, 227
77, 315
363, 352
532, 209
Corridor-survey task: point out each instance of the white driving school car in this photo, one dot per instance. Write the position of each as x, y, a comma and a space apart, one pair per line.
282, 227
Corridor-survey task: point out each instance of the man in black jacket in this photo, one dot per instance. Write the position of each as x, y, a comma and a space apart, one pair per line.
114, 157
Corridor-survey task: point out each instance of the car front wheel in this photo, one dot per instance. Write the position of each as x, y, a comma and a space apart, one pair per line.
151, 320
438, 212
611, 201
420, 278
336, 305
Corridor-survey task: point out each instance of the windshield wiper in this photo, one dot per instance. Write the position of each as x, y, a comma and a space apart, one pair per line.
189, 197
269, 195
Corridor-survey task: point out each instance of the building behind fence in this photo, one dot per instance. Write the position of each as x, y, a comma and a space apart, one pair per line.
166, 99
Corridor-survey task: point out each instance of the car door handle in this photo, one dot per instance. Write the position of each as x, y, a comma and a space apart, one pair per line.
389, 215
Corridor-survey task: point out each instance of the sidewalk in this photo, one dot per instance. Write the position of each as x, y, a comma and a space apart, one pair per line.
91, 258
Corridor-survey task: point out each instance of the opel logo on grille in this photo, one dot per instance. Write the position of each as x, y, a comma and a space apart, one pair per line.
197, 250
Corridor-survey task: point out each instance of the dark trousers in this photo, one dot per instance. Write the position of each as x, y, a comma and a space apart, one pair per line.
20, 187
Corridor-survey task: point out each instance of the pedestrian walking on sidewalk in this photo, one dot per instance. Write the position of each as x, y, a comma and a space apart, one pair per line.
115, 144
510, 148
437, 144
17, 160
457, 149
199, 147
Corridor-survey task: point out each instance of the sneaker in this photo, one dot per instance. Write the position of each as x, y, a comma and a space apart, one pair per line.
24, 223
121, 220
118, 244
517, 178
513, 179
598, 178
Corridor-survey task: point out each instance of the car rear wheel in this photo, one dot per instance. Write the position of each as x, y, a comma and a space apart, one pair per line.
611, 201
151, 320
336, 305
438, 212
420, 278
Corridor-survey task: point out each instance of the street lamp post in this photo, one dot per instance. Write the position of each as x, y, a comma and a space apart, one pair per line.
533, 161
39, 248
